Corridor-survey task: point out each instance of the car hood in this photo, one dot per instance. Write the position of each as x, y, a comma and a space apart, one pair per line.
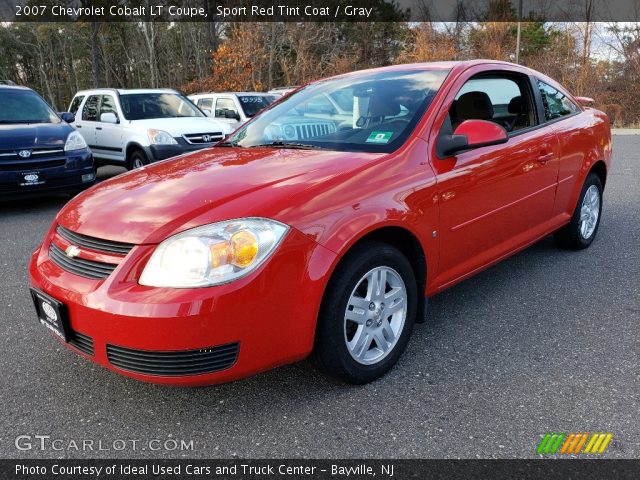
34, 135
150, 204
183, 125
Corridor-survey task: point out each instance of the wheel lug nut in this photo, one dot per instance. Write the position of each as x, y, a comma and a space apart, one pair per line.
372, 306
369, 322
382, 306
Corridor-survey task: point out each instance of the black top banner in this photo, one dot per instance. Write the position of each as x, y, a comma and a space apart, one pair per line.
319, 10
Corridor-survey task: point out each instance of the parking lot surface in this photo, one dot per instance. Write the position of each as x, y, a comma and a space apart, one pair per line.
546, 341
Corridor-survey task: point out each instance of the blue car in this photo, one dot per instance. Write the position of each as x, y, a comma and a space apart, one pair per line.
40, 153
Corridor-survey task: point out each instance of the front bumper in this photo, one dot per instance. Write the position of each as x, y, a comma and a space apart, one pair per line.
222, 333
161, 152
65, 175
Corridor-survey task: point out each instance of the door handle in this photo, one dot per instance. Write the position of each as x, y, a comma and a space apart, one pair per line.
98, 128
545, 157
78, 126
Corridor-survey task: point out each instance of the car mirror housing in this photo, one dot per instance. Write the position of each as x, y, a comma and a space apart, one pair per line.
109, 117
473, 134
67, 117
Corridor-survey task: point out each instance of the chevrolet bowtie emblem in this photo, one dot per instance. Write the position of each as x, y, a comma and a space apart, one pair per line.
72, 251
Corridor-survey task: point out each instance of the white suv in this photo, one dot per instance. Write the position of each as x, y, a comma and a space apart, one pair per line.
137, 127
233, 108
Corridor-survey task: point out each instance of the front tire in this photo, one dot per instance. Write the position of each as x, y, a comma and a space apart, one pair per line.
137, 159
580, 232
367, 314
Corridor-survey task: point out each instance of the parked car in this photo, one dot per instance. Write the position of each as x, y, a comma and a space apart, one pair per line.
275, 250
234, 108
281, 91
133, 128
40, 153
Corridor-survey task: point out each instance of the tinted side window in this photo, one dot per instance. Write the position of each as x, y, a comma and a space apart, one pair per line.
75, 103
504, 100
90, 110
555, 103
223, 104
205, 103
107, 105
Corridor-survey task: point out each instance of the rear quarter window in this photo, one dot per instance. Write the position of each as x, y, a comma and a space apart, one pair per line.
556, 104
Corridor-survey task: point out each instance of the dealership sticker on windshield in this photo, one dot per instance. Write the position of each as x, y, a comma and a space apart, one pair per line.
379, 137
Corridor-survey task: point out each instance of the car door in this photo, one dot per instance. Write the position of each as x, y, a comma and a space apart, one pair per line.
494, 199
86, 122
109, 142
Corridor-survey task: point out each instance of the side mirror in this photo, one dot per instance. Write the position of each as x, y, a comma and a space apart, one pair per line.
109, 117
231, 114
67, 117
473, 134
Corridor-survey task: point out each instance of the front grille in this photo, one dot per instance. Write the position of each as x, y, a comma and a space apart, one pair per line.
174, 363
82, 343
198, 138
42, 152
26, 166
95, 244
80, 266
311, 130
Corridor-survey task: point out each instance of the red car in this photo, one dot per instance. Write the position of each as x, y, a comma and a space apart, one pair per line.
321, 227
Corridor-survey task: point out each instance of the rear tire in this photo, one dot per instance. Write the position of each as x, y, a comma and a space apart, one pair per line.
363, 328
580, 232
137, 159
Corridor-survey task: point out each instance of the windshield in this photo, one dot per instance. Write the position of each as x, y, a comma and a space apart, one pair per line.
24, 106
252, 104
370, 112
143, 106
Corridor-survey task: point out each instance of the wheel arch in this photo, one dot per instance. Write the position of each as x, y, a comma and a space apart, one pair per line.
131, 147
404, 240
600, 169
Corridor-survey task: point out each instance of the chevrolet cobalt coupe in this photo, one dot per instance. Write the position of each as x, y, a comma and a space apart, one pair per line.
319, 237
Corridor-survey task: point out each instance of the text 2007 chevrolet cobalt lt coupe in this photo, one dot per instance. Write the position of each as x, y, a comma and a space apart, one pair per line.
311, 232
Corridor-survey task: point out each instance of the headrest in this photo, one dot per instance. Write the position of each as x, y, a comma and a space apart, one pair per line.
474, 105
516, 105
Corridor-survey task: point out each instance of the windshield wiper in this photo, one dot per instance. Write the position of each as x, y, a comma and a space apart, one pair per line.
298, 146
227, 144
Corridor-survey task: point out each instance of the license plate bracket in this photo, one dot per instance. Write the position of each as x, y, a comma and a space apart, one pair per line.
52, 314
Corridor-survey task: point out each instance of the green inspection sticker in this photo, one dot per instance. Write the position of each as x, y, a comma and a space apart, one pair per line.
379, 137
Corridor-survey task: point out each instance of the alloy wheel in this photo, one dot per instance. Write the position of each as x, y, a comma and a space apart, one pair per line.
375, 315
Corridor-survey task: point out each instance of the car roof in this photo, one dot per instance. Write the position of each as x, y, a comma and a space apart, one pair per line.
13, 87
126, 91
447, 65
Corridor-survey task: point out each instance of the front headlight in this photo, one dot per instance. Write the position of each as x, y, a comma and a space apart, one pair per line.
160, 137
74, 142
213, 254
